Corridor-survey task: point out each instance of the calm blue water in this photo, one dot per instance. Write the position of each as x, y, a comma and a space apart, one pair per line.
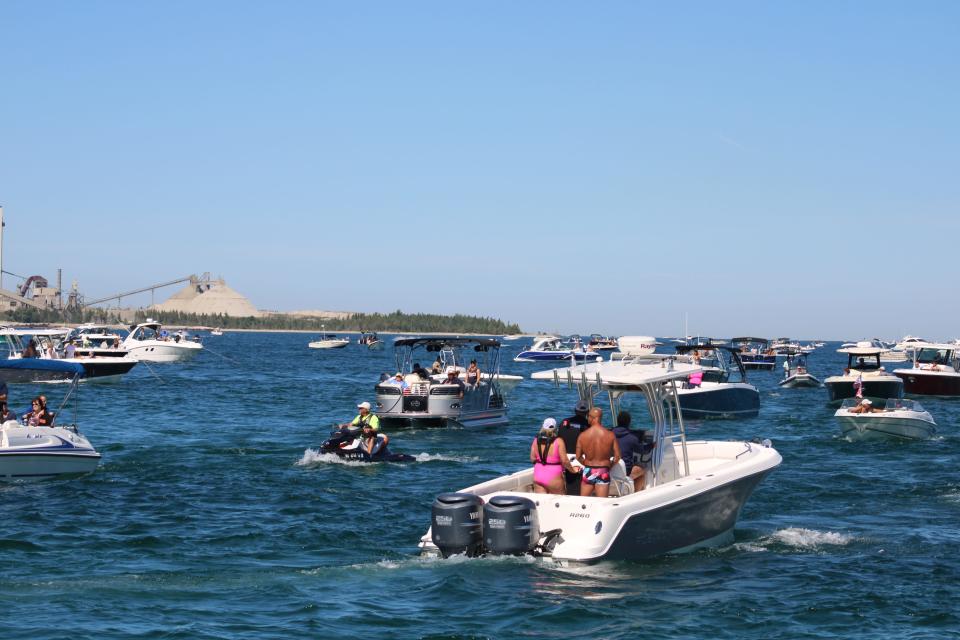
210, 518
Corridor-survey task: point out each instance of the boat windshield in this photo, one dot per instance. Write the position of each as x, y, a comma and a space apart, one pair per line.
864, 363
902, 404
931, 355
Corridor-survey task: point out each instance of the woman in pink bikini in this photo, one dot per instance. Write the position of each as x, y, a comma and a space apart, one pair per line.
548, 454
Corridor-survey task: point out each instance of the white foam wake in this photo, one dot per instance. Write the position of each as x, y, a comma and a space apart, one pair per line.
434, 457
798, 538
313, 457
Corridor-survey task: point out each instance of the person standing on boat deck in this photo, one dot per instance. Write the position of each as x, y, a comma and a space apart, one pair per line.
632, 449
365, 418
597, 450
549, 457
473, 374
570, 429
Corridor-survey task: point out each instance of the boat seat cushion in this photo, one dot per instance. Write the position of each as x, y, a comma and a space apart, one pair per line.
620, 482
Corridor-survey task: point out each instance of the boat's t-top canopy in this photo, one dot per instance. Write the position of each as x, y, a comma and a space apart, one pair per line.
749, 340
437, 343
698, 349
861, 351
26, 331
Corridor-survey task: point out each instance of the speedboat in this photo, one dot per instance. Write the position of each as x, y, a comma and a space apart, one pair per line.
96, 340
795, 372
863, 376
43, 359
371, 340
900, 418
149, 342
33, 453
935, 371
429, 400
328, 341
346, 443
216, 332
548, 348
601, 343
755, 353
695, 489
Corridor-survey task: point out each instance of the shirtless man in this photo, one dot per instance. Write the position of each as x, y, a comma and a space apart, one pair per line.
597, 451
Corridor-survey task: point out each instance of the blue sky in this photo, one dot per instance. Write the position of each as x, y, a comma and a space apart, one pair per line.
767, 168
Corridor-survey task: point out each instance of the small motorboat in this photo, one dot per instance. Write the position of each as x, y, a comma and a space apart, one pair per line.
328, 341
347, 443
863, 376
795, 374
547, 348
602, 343
900, 418
371, 341
216, 332
38, 452
935, 371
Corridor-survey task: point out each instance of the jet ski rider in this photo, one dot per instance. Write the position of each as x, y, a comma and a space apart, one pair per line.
373, 442
365, 418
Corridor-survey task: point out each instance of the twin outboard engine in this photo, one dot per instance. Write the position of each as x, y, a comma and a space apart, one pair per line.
461, 523
510, 525
455, 524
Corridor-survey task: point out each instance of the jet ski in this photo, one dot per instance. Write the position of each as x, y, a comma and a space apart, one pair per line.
347, 443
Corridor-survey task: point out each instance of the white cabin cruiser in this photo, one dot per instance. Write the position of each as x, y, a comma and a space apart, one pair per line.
149, 342
863, 376
329, 341
695, 489
900, 418
432, 399
38, 452
96, 340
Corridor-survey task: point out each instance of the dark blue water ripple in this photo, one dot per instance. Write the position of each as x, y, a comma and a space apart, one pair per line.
210, 517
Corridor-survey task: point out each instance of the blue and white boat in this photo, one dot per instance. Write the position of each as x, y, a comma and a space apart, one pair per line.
552, 348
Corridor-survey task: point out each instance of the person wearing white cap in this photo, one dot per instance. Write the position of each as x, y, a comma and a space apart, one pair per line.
365, 418
549, 457
865, 406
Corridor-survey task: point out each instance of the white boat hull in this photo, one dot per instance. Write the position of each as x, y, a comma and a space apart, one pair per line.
158, 351
35, 453
328, 344
907, 425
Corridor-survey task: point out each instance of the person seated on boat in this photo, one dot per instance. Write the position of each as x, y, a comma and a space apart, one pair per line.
569, 431
437, 366
372, 441
6, 415
597, 451
473, 374
397, 381
549, 457
865, 406
453, 377
632, 449
38, 416
364, 418
694, 380
696, 356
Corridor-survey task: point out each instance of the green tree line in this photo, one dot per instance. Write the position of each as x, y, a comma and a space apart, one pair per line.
398, 321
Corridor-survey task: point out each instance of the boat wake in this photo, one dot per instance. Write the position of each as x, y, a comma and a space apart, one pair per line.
313, 457
797, 538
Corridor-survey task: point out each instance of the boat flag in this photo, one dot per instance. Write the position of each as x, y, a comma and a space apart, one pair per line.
858, 385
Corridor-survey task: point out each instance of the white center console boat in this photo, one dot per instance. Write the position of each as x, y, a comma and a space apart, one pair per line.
695, 489
863, 376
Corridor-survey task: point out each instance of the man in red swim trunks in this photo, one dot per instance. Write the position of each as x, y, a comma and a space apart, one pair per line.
597, 451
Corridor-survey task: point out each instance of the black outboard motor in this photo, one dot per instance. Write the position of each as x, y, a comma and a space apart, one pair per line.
455, 524
510, 525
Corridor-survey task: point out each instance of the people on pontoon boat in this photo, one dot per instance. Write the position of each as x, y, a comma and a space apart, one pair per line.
453, 377
549, 457
473, 374
437, 366
398, 381
597, 451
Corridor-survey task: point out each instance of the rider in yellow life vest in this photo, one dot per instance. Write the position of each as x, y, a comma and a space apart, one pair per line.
365, 417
